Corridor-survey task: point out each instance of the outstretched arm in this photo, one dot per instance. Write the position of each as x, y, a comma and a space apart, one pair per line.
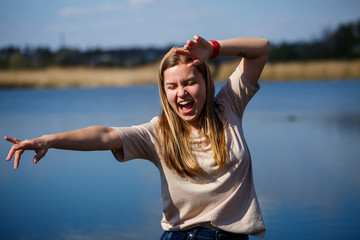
86, 139
253, 51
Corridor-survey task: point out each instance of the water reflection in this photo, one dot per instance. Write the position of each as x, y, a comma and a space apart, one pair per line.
345, 124
305, 154
307, 173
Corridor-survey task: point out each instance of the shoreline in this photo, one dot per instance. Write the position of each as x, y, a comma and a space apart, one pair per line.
307, 70
107, 77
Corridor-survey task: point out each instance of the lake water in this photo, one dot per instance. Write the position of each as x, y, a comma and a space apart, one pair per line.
304, 138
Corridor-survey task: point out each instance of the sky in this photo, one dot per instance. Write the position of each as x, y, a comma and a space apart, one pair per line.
158, 23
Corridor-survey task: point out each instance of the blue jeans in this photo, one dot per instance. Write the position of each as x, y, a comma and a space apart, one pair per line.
200, 233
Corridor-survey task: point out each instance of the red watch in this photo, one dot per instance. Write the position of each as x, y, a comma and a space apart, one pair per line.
216, 49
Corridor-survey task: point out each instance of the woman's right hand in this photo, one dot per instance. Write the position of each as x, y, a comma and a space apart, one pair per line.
198, 49
86, 139
19, 147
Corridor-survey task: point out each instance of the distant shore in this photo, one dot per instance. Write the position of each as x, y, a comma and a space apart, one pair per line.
309, 70
106, 77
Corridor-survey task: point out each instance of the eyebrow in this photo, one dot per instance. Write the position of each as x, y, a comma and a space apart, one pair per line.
185, 81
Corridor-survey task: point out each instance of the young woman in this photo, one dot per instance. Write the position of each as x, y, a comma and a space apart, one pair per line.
196, 143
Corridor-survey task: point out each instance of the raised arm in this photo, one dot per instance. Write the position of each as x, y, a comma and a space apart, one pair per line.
86, 139
253, 51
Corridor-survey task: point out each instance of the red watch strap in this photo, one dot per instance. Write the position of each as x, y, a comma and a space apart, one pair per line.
216, 48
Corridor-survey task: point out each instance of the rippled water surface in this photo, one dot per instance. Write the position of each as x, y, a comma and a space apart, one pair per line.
304, 138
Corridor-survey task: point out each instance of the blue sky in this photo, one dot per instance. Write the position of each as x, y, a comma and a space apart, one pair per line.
124, 23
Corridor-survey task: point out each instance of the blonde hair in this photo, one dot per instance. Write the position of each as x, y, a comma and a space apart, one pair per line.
174, 132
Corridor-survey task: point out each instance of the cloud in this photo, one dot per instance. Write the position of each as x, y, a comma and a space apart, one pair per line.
105, 8
71, 11
137, 2
190, 15
85, 11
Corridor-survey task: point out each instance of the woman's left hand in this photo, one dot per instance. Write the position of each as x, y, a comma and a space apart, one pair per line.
198, 49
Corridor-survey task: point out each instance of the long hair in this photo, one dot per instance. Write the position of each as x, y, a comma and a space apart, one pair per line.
174, 132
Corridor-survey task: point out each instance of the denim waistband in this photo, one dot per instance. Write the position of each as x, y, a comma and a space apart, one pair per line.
200, 233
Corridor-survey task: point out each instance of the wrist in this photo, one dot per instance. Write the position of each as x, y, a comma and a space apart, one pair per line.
48, 140
215, 48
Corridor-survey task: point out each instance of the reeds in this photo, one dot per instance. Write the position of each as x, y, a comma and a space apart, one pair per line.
78, 77
310, 70
93, 77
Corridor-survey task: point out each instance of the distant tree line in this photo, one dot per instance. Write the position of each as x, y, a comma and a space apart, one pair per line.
42, 57
342, 43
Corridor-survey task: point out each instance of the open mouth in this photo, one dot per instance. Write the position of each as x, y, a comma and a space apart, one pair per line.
186, 106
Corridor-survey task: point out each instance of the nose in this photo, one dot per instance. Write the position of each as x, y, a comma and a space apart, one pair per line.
181, 92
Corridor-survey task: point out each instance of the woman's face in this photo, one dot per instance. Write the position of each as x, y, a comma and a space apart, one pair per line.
186, 92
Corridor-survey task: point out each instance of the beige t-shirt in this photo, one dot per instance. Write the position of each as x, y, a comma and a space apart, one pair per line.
224, 199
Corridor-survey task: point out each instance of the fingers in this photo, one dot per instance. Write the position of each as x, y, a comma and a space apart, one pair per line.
197, 37
194, 63
200, 39
197, 49
17, 158
39, 155
182, 51
19, 148
189, 45
13, 149
13, 140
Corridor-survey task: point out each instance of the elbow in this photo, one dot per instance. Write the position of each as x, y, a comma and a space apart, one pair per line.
262, 48
267, 47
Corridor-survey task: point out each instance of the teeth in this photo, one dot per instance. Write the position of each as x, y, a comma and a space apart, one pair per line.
184, 103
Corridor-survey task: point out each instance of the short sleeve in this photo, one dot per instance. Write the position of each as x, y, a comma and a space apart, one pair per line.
236, 93
138, 142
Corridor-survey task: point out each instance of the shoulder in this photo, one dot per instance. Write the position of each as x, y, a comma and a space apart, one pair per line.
155, 121
236, 92
239, 85
139, 131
